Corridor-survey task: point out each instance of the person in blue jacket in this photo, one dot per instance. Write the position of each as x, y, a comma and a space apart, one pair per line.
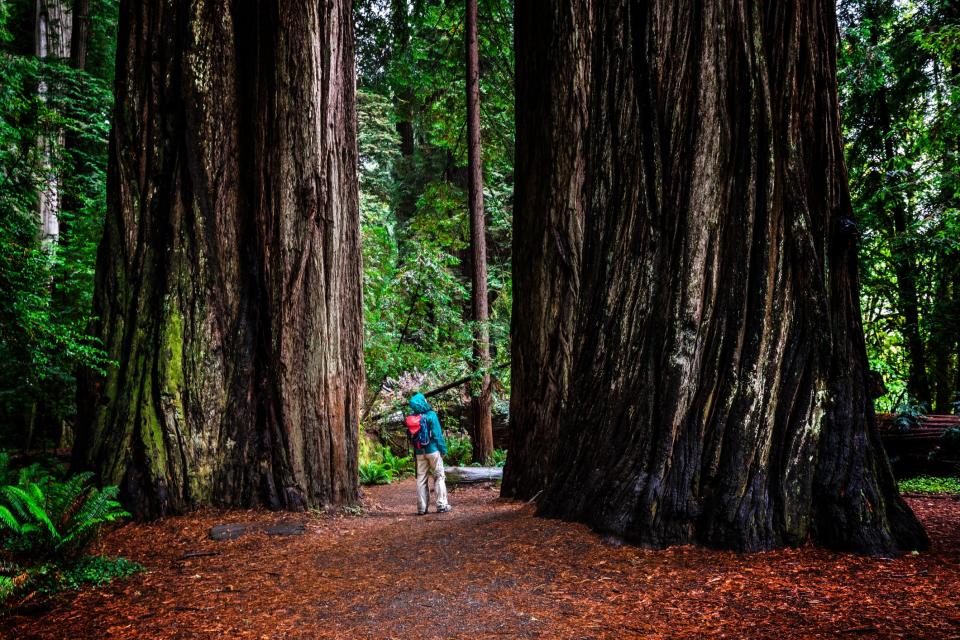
429, 458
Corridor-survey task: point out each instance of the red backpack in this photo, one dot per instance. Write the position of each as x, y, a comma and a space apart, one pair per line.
418, 432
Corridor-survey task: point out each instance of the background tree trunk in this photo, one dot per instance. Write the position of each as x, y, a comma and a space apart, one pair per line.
716, 389
404, 98
482, 426
80, 34
53, 24
228, 278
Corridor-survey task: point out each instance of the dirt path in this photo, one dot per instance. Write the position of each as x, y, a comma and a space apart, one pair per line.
489, 569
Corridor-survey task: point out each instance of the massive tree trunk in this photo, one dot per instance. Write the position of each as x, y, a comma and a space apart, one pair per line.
228, 279
482, 425
553, 78
686, 301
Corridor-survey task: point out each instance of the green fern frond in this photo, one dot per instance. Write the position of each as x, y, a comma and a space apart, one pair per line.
98, 508
32, 500
8, 520
64, 499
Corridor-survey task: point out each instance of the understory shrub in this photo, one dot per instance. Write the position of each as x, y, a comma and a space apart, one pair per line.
459, 450
384, 466
374, 472
47, 523
929, 484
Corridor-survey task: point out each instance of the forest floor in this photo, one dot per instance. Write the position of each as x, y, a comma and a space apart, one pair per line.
490, 569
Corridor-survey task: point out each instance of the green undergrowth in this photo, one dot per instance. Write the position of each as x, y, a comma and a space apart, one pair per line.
49, 519
382, 466
930, 484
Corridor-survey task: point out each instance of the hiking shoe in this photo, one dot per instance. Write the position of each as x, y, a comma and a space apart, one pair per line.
421, 513
444, 508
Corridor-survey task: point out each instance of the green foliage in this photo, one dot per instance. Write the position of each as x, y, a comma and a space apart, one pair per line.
374, 472
46, 519
499, 457
47, 522
928, 484
51, 578
383, 466
459, 450
398, 466
899, 77
415, 226
46, 286
907, 415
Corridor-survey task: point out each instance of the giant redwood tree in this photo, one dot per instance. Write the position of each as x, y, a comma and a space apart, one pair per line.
228, 279
689, 363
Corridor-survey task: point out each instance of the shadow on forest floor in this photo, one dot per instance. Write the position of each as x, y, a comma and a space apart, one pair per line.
490, 569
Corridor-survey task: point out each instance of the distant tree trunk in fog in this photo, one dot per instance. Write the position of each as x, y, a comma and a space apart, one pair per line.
689, 364
228, 279
53, 24
482, 424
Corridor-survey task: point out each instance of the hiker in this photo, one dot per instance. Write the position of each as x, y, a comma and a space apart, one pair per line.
428, 447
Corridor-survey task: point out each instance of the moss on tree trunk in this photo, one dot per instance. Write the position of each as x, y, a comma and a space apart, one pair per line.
228, 278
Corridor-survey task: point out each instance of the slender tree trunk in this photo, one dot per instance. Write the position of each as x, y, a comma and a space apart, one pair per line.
228, 278
80, 36
403, 103
53, 24
482, 436
716, 386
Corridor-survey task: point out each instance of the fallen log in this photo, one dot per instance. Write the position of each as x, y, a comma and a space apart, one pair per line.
472, 475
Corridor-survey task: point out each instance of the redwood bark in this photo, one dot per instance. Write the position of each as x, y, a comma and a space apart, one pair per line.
686, 300
228, 278
482, 425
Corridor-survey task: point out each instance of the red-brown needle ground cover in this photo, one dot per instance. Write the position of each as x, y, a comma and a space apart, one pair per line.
490, 569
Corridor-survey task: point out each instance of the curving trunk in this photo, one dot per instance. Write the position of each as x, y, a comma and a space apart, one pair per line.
228, 279
689, 363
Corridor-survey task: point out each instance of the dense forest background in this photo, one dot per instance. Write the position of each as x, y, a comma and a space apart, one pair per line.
899, 71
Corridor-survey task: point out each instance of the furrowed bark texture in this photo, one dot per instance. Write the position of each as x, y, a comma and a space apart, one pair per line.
689, 363
549, 194
228, 279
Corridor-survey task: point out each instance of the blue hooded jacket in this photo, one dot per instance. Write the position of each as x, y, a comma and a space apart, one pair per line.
420, 406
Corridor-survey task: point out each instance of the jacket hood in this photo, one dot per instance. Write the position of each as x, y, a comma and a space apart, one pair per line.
419, 404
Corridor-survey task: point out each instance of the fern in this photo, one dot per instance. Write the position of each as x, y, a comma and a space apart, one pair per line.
56, 519
8, 520
375, 473
98, 508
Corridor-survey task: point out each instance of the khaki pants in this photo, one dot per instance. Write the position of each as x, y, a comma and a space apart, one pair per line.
433, 463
